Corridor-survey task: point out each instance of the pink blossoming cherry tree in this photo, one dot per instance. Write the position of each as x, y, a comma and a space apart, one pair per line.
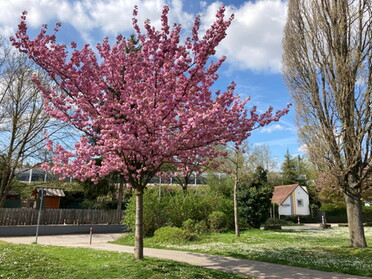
143, 106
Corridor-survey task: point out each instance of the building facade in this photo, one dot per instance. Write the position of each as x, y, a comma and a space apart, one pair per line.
291, 200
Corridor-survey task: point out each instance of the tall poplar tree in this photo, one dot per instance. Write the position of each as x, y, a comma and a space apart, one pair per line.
327, 64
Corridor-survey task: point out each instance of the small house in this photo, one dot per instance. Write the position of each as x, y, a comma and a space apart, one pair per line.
52, 196
291, 200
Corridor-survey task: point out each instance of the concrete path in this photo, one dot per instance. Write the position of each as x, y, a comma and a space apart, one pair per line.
226, 264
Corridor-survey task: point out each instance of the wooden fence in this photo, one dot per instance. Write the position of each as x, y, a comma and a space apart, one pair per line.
28, 216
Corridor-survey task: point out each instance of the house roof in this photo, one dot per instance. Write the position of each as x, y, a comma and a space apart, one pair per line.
281, 193
49, 191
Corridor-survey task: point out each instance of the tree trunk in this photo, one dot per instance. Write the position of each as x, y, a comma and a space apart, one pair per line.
184, 183
120, 193
184, 188
5, 185
354, 217
2, 200
138, 243
236, 219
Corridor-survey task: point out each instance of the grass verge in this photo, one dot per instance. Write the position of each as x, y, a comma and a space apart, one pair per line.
325, 250
48, 262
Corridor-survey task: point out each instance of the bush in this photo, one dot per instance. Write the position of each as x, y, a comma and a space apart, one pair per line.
367, 214
195, 227
174, 208
173, 235
217, 222
153, 215
195, 205
334, 213
337, 213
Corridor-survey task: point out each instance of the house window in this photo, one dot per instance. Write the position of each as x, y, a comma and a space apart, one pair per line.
300, 203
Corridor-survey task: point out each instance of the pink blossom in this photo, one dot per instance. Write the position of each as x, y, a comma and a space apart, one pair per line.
143, 107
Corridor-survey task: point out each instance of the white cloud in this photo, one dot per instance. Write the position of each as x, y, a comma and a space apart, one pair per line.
254, 39
272, 128
86, 16
303, 148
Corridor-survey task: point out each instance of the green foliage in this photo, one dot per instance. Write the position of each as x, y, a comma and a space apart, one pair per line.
332, 207
217, 221
289, 170
314, 196
72, 200
86, 204
337, 213
254, 198
103, 187
221, 183
174, 208
92, 191
297, 170
195, 205
193, 226
173, 235
153, 215
334, 213
367, 214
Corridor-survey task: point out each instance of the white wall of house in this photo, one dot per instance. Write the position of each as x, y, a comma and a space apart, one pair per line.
296, 204
302, 201
286, 207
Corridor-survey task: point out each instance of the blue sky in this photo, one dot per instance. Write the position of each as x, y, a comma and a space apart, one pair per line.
252, 46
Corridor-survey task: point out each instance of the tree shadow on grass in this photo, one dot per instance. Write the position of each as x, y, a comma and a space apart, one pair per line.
236, 264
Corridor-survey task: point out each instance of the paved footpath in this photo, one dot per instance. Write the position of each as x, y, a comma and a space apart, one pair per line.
226, 264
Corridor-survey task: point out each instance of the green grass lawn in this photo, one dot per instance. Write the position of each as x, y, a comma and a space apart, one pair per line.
319, 249
47, 262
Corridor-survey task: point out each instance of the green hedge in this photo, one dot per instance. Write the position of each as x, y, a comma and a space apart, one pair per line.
175, 207
337, 214
367, 214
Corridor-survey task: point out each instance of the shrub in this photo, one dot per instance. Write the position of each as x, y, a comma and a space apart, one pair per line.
173, 235
334, 213
337, 213
195, 205
174, 208
217, 221
195, 227
153, 215
367, 214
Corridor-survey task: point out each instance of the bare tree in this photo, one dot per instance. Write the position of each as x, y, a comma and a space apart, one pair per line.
235, 163
260, 156
327, 65
22, 119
